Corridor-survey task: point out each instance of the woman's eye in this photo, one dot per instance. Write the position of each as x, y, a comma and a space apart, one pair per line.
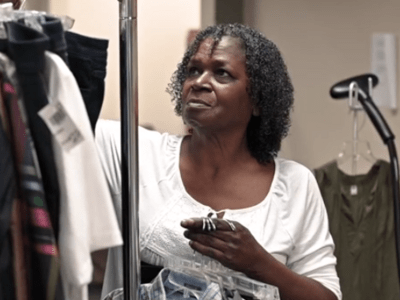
192, 71
222, 73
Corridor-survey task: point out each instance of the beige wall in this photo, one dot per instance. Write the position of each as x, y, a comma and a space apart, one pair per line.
324, 42
162, 29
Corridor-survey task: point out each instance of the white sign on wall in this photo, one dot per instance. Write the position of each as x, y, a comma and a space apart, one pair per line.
383, 64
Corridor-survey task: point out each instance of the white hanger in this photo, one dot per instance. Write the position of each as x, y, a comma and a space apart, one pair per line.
356, 156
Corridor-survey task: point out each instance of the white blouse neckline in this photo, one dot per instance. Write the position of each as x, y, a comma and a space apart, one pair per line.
185, 194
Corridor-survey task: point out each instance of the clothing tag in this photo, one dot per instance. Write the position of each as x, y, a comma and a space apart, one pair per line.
353, 190
61, 125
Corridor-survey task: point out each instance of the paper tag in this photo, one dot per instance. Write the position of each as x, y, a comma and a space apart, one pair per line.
353, 190
61, 125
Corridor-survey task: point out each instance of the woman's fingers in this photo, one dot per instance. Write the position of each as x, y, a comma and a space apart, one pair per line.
209, 224
230, 243
216, 245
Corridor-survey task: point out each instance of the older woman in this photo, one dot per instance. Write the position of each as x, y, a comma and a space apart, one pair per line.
266, 217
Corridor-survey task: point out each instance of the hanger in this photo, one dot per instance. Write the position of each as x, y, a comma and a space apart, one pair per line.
226, 278
356, 156
5, 12
212, 271
31, 18
178, 284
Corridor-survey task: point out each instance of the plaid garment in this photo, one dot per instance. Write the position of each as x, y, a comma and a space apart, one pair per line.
7, 196
41, 255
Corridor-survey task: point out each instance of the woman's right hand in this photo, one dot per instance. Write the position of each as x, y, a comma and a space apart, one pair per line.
231, 244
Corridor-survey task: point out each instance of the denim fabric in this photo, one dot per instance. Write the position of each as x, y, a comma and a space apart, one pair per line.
3, 45
26, 47
53, 28
87, 59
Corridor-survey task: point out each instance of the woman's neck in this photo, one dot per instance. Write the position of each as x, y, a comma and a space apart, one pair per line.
217, 149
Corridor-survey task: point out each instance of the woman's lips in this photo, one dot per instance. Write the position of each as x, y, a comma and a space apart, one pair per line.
197, 104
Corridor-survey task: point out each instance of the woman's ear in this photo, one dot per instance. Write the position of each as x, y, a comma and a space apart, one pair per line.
256, 111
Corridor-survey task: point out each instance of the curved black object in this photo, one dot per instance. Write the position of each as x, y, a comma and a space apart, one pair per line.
341, 90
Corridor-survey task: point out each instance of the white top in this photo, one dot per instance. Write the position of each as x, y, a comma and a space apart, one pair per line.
290, 223
87, 218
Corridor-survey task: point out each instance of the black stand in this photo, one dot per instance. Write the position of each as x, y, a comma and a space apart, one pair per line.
341, 90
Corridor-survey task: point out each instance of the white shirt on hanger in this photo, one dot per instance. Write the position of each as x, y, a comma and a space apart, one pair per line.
87, 217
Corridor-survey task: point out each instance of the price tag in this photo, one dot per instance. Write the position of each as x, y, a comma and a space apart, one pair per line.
353, 190
61, 125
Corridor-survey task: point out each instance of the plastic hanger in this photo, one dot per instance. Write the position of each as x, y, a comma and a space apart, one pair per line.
212, 271
6, 10
356, 156
225, 277
188, 290
31, 18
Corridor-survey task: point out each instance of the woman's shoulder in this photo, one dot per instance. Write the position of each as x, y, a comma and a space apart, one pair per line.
295, 184
109, 132
290, 169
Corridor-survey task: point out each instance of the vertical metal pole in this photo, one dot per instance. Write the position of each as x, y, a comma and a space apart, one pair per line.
129, 147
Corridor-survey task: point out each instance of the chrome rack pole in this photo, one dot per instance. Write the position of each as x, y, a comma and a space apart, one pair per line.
129, 147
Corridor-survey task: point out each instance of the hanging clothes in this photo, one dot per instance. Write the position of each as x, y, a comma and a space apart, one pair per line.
53, 29
83, 210
361, 221
87, 59
7, 196
41, 254
26, 48
88, 221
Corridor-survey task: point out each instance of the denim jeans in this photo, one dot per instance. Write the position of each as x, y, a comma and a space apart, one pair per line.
52, 27
87, 59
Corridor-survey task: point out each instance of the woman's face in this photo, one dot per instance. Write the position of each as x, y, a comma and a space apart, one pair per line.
214, 94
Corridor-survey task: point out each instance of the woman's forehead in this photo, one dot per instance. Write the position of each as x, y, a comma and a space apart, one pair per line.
226, 45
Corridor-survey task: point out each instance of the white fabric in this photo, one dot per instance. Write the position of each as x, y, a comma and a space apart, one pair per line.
87, 218
290, 223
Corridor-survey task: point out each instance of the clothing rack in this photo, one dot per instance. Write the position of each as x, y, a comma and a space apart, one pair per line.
129, 146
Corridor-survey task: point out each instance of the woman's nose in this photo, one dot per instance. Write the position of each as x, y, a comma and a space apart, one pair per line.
202, 81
